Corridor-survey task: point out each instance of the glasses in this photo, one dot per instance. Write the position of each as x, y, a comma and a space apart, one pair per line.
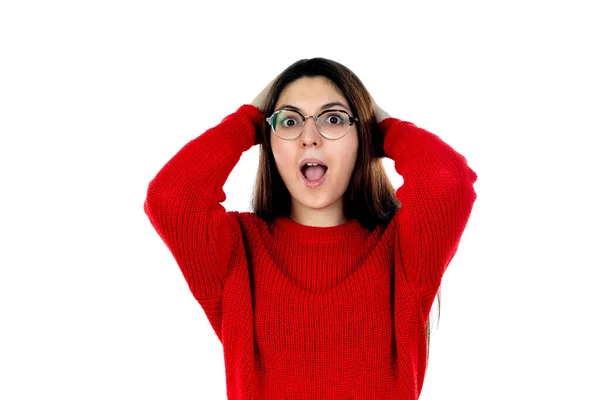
331, 124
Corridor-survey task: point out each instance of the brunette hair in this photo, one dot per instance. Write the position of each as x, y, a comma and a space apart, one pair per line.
370, 196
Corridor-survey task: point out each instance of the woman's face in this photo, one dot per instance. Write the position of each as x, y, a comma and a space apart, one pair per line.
309, 95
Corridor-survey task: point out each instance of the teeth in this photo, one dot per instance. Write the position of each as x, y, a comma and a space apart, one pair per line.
312, 164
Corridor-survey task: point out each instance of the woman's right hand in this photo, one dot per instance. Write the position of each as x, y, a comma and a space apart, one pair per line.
260, 101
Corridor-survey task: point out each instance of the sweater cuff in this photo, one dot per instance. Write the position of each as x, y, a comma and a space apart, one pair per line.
386, 123
253, 114
390, 140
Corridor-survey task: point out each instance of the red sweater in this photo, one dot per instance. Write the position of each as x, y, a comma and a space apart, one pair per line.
314, 312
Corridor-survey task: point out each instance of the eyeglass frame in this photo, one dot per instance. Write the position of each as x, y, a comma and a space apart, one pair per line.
351, 120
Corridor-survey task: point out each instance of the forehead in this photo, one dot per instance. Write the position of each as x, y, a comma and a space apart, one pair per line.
310, 93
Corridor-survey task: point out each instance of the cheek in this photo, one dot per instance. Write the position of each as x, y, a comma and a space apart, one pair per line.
351, 151
283, 158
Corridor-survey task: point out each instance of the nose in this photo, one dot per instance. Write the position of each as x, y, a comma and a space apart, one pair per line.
310, 134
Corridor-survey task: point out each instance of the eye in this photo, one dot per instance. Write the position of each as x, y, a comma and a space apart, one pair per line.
334, 118
288, 119
287, 122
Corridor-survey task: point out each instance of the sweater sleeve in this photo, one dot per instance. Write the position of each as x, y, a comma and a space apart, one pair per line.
183, 201
437, 197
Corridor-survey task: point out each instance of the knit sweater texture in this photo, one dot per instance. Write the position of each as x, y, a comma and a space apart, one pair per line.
309, 312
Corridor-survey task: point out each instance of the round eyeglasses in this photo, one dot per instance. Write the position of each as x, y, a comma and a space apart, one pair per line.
331, 124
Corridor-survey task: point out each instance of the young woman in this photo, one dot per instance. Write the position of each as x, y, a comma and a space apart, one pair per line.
324, 291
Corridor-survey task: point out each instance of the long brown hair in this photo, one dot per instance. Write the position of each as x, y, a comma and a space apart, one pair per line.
370, 196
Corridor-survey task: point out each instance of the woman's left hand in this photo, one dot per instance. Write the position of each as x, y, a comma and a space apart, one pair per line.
380, 114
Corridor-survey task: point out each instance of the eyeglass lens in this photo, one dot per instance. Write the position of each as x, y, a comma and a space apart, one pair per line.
333, 124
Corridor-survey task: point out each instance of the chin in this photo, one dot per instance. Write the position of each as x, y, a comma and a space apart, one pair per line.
314, 198
316, 201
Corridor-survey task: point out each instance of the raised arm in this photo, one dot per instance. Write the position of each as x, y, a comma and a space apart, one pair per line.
183, 201
437, 197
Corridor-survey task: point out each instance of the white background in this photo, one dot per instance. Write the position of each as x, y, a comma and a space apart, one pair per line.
96, 96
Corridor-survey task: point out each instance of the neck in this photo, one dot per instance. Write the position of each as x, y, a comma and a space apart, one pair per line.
332, 215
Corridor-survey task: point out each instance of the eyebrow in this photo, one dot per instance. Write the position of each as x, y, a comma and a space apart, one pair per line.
324, 106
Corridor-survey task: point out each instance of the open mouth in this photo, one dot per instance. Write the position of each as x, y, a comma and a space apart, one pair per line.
313, 171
